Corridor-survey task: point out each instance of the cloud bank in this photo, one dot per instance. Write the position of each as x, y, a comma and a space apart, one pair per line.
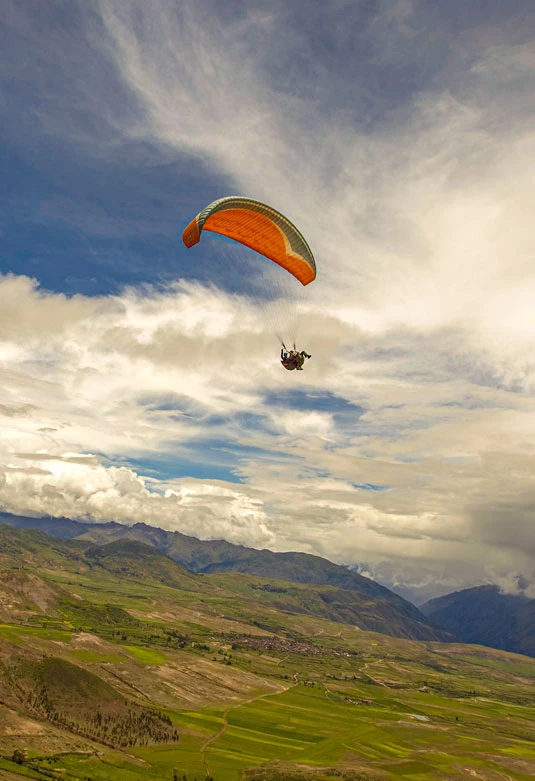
408, 442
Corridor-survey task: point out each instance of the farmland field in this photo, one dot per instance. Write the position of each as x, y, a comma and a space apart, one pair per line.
375, 711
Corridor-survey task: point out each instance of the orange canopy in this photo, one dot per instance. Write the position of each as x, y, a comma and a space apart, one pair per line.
258, 227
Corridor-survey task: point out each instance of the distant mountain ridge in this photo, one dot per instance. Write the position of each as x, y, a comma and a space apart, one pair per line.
485, 616
383, 610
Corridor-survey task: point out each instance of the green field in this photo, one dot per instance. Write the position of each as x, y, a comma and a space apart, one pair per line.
474, 716
145, 655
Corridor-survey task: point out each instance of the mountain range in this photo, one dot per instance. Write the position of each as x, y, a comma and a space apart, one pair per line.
481, 615
486, 616
340, 594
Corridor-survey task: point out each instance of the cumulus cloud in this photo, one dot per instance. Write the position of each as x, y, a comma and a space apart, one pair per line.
419, 209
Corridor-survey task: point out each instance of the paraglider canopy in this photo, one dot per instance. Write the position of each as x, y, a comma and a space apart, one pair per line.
259, 227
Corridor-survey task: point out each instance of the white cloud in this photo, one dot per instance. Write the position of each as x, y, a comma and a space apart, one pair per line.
422, 316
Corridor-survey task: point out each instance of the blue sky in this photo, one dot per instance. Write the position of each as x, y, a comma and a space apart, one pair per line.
140, 381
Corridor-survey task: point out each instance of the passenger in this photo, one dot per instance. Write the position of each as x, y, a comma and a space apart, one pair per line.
293, 360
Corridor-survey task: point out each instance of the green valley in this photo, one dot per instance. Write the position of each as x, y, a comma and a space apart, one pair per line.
117, 663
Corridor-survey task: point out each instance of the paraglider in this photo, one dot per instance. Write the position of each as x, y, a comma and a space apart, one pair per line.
264, 230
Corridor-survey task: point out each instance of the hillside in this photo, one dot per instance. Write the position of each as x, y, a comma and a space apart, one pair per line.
372, 607
486, 616
77, 699
244, 596
116, 664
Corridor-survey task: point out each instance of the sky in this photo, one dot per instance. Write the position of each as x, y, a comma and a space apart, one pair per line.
140, 381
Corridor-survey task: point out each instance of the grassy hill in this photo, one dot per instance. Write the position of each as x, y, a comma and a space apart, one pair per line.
372, 607
369, 605
85, 704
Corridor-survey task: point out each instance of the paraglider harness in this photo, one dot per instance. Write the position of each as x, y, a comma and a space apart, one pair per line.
291, 359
